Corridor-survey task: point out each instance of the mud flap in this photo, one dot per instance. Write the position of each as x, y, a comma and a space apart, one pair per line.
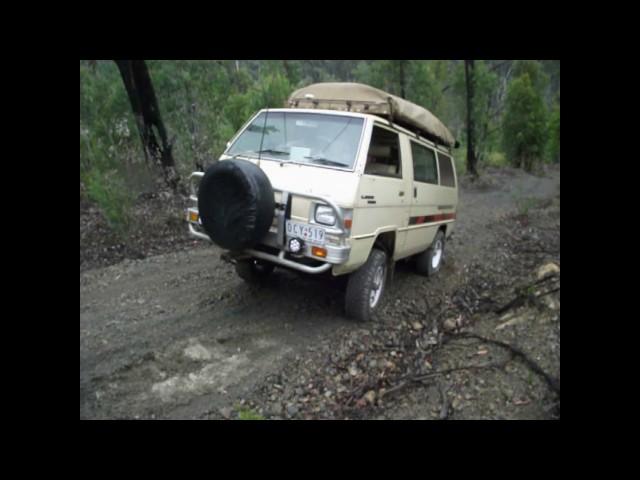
391, 269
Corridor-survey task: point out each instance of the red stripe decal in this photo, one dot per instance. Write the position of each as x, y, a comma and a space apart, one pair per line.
431, 218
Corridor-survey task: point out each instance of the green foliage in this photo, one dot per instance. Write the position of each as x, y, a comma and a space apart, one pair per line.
272, 91
239, 109
422, 86
245, 413
485, 82
203, 103
525, 204
532, 68
554, 134
381, 74
107, 127
422, 79
107, 189
496, 159
461, 162
524, 124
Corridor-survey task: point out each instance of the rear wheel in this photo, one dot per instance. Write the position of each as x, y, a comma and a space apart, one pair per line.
429, 261
366, 287
254, 270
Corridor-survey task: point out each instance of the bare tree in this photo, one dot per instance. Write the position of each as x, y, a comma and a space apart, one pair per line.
471, 152
144, 104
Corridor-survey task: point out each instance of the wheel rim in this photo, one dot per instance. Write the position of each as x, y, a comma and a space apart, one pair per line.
378, 284
437, 254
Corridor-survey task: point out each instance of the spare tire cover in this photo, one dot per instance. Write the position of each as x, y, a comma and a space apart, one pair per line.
236, 204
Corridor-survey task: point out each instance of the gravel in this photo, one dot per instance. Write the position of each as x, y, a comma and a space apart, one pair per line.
178, 335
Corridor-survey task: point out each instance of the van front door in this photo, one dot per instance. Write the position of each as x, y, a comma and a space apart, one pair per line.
384, 197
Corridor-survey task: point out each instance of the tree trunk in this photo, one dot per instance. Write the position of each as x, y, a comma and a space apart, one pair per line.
528, 163
142, 97
471, 153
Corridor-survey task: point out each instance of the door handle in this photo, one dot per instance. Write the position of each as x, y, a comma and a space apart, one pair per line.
401, 193
415, 192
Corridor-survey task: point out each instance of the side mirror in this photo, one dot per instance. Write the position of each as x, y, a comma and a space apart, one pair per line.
455, 145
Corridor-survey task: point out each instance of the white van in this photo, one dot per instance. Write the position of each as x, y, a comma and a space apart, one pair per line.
347, 179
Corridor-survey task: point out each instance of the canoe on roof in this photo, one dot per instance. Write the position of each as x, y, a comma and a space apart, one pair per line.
357, 97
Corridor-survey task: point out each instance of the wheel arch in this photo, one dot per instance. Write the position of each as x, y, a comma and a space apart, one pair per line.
386, 241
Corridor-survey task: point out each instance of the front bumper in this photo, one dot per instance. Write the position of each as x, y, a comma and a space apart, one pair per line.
278, 239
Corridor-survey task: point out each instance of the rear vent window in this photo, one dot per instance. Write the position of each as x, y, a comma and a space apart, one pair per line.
447, 177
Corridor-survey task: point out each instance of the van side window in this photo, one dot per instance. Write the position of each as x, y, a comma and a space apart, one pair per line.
447, 178
424, 164
383, 157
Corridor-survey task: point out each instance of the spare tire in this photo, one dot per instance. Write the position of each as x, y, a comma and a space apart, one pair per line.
236, 204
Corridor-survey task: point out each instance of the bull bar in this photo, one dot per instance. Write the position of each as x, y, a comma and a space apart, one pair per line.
335, 254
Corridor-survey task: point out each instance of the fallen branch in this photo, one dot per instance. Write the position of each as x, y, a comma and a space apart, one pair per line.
546, 278
523, 294
515, 303
514, 351
548, 292
422, 378
553, 383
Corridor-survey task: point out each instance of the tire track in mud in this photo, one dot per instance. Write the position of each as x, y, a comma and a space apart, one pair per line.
156, 336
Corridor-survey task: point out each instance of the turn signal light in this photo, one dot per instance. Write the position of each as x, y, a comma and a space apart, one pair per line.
319, 252
347, 223
193, 216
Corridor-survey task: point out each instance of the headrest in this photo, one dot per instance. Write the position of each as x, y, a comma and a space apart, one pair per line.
380, 169
380, 151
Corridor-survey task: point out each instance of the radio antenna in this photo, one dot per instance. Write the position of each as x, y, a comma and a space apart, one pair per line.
264, 129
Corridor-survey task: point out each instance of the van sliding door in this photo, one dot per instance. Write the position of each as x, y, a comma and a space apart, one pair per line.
426, 197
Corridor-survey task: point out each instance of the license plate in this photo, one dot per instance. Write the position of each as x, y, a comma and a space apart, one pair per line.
305, 232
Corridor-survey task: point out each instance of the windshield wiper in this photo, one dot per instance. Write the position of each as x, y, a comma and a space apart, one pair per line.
276, 152
253, 153
326, 161
242, 154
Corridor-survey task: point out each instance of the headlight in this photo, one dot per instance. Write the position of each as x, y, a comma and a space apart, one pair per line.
325, 215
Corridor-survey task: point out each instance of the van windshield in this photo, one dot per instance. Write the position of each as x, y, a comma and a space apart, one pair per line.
315, 139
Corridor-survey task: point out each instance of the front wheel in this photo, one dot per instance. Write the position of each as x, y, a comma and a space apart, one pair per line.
254, 270
366, 286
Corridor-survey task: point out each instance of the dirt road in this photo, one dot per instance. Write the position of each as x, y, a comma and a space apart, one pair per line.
181, 336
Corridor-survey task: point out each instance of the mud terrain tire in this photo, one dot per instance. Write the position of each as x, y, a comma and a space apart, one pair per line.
429, 262
236, 204
361, 297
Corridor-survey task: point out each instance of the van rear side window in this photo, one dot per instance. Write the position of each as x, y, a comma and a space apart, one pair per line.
447, 177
